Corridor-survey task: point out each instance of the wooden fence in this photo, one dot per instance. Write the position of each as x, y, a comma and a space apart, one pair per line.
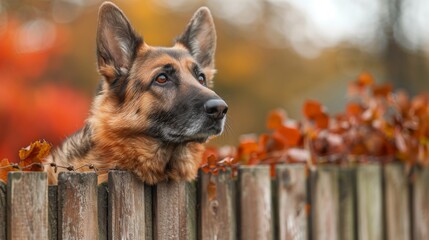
361, 202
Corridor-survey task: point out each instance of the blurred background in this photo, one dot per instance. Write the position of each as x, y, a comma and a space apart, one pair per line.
271, 54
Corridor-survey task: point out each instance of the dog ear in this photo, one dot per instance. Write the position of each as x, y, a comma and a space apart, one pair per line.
117, 42
200, 37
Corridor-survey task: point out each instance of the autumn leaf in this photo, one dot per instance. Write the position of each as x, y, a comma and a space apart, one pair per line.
378, 124
36, 152
276, 119
288, 136
5, 168
209, 151
365, 79
312, 109
205, 168
381, 90
246, 149
354, 110
211, 189
322, 121
212, 161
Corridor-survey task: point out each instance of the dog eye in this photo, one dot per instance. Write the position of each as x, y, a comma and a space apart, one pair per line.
202, 78
161, 78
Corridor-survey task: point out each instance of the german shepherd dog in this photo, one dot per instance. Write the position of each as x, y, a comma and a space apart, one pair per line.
154, 108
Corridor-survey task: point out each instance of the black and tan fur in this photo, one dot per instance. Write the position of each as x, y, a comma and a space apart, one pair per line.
137, 121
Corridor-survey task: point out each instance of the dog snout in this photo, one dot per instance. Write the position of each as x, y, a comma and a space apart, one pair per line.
216, 108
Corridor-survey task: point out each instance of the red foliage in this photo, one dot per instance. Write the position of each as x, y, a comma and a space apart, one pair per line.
28, 110
31, 159
312, 109
379, 125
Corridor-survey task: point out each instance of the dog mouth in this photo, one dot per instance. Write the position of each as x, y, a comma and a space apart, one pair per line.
200, 136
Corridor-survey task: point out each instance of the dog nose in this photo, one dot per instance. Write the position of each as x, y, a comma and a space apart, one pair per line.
216, 108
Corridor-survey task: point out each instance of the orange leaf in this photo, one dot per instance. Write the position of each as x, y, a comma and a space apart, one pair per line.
365, 79
212, 161
5, 168
247, 147
205, 168
276, 119
322, 121
288, 136
382, 90
34, 153
207, 153
263, 141
312, 109
211, 190
354, 109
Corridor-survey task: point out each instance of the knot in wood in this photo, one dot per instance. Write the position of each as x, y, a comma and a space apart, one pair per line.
214, 205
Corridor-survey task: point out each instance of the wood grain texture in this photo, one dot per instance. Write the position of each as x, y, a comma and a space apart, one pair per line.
325, 203
420, 196
77, 206
27, 200
53, 212
102, 204
126, 206
3, 210
255, 205
148, 201
369, 202
175, 211
291, 192
347, 203
217, 215
397, 202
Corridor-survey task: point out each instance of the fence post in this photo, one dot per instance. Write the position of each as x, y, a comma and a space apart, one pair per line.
217, 218
102, 205
3, 207
175, 211
27, 200
126, 206
369, 202
291, 193
77, 205
53, 212
347, 202
420, 197
397, 202
255, 205
325, 203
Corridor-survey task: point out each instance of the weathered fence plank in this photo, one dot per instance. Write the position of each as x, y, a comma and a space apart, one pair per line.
255, 205
3, 207
27, 200
126, 206
77, 205
325, 203
148, 201
369, 202
53, 212
175, 211
420, 204
291, 189
217, 207
347, 203
102, 204
397, 213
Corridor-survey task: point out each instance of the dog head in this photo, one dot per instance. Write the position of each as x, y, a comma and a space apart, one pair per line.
158, 92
